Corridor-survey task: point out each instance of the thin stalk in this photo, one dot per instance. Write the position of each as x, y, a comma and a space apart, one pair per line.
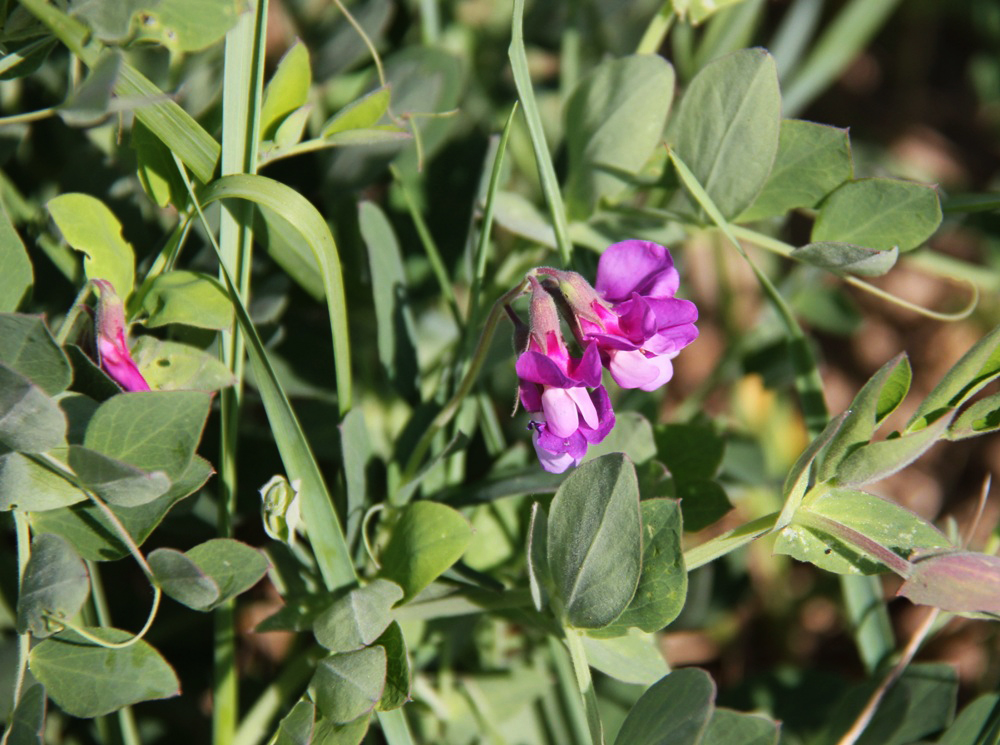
25, 118
729, 541
656, 31
475, 364
569, 688
865, 717
242, 93
98, 641
23, 532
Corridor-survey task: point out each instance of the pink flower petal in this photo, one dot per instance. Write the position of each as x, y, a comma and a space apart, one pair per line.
561, 413
585, 406
631, 368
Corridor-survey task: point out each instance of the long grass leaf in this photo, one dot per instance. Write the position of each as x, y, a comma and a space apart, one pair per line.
325, 533
298, 212
546, 171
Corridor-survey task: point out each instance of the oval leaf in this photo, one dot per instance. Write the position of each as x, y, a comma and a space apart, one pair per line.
287, 90
30, 421
188, 298
172, 366
29, 487
27, 348
427, 539
116, 482
182, 579
614, 122
879, 213
233, 566
397, 675
594, 541
88, 681
674, 711
55, 585
727, 127
631, 658
359, 618
92, 229
876, 460
347, 686
847, 258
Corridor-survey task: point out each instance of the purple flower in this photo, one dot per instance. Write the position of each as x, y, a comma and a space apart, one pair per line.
112, 350
571, 407
633, 316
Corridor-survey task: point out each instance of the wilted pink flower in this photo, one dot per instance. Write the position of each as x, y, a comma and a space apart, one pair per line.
632, 314
554, 387
112, 350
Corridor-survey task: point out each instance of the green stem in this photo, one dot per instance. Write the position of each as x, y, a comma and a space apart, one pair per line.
729, 541
573, 673
97, 641
657, 30
30, 116
23, 532
289, 683
67, 323
475, 364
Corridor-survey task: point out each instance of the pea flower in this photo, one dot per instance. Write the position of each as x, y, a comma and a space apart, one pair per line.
554, 387
631, 312
112, 350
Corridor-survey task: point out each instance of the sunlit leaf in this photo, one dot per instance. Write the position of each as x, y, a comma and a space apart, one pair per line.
189, 298
287, 90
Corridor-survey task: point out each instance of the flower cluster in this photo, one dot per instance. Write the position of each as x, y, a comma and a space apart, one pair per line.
629, 321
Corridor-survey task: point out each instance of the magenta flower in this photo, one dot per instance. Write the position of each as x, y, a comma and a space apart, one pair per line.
637, 323
112, 350
554, 387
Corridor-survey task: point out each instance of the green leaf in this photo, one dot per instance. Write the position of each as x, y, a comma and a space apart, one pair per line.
93, 536
29, 487
356, 450
594, 541
632, 435
331, 733
363, 113
977, 419
234, 566
189, 298
392, 313
703, 503
876, 460
539, 578
960, 582
976, 368
733, 728
156, 431
157, 170
301, 214
673, 711
30, 421
55, 586
397, 676
347, 686
690, 451
879, 213
919, 704
90, 102
116, 482
189, 25
92, 229
614, 122
292, 127
27, 347
877, 519
426, 540
298, 725
16, 273
359, 618
812, 160
878, 398
284, 243
630, 658
28, 720
182, 579
727, 127
88, 681
287, 90
173, 366
977, 724
846, 258
662, 587
697, 11
801, 476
